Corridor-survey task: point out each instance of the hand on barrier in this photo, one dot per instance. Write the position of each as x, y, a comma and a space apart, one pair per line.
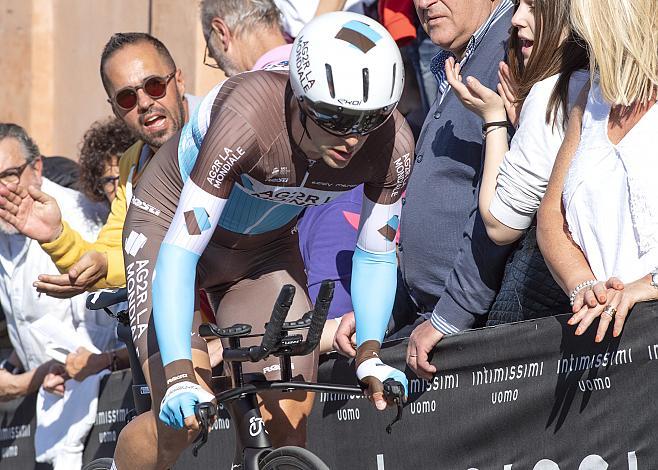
177, 407
618, 300
373, 374
421, 342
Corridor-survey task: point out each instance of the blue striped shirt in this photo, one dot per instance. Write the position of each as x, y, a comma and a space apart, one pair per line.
437, 65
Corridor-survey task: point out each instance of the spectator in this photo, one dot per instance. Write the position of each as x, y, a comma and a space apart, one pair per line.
327, 237
603, 185
547, 82
21, 259
153, 117
450, 270
102, 146
296, 13
243, 35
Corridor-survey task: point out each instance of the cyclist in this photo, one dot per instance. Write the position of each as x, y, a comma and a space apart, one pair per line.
222, 207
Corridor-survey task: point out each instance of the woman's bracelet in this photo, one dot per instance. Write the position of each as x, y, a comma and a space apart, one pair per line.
495, 124
578, 288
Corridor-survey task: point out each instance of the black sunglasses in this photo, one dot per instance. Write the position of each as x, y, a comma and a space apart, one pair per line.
154, 86
340, 121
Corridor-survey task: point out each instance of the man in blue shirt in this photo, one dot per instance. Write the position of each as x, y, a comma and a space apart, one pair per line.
449, 267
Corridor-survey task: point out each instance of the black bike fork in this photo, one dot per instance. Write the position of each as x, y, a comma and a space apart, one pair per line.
251, 435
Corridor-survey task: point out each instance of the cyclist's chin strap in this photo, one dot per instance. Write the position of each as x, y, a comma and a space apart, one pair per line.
302, 120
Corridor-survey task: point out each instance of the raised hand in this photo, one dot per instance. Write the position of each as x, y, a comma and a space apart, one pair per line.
508, 91
474, 95
82, 276
32, 212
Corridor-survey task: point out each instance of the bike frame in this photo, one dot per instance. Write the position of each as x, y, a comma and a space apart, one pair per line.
251, 437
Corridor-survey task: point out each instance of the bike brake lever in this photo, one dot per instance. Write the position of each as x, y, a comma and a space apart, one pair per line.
205, 413
394, 390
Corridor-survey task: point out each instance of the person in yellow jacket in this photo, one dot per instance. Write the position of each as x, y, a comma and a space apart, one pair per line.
146, 91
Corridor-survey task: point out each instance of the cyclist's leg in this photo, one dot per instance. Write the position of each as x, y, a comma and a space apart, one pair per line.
145, 442
250, 301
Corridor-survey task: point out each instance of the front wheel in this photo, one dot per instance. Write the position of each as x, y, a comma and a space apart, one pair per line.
99, 464
292, 458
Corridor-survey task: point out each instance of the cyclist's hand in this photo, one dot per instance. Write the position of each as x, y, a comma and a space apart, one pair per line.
343, 341
177, 407
421, 342
372, 373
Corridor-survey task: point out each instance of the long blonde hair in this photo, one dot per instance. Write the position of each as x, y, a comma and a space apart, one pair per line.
622, 38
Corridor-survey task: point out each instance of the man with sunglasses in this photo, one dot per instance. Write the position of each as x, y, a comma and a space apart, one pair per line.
225, 197
146, 92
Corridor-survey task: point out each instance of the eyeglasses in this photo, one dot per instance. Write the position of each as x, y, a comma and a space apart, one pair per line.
340, 121
107, 183
154, 86
206, 62
13, 175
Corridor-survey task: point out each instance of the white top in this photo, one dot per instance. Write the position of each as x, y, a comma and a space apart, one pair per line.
527, 166
22, 260
610, 194
296, 13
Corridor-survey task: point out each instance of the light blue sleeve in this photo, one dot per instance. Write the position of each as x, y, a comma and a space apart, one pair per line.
173, 301
374, 269
374, 280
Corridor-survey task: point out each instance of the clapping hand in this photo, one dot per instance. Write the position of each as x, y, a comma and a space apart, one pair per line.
32, 212
81, 277
474, 95
508, 91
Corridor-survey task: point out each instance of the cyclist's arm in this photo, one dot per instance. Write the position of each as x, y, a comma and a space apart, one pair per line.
374, 266
228, 145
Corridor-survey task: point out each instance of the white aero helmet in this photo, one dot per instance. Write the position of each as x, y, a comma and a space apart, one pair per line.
346, 72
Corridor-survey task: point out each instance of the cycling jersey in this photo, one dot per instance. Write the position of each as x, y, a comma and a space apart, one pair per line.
223, 202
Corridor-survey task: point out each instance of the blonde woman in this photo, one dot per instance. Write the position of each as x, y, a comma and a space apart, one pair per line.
603, 185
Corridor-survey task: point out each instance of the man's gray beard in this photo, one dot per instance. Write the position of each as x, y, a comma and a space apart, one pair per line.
7, 228
226, 65
158, 140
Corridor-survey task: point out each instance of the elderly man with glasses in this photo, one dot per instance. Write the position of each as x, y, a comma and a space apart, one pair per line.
21, 260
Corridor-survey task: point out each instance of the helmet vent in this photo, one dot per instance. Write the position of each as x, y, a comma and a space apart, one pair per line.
393, 83
366, 84
330, 80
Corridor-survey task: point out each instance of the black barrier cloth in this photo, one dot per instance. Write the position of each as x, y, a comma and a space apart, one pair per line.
114, 403
529, 395
524, 396
17, 424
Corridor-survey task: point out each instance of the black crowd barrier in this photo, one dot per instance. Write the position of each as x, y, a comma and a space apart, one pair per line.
529, 395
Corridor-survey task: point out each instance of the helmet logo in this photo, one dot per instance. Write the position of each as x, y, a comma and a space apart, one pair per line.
359, 35
349, 102
303, 65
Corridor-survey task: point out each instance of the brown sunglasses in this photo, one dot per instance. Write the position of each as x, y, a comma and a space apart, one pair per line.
154, 86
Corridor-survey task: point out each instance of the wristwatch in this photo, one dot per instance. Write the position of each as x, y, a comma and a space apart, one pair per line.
8, 366
654, 278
